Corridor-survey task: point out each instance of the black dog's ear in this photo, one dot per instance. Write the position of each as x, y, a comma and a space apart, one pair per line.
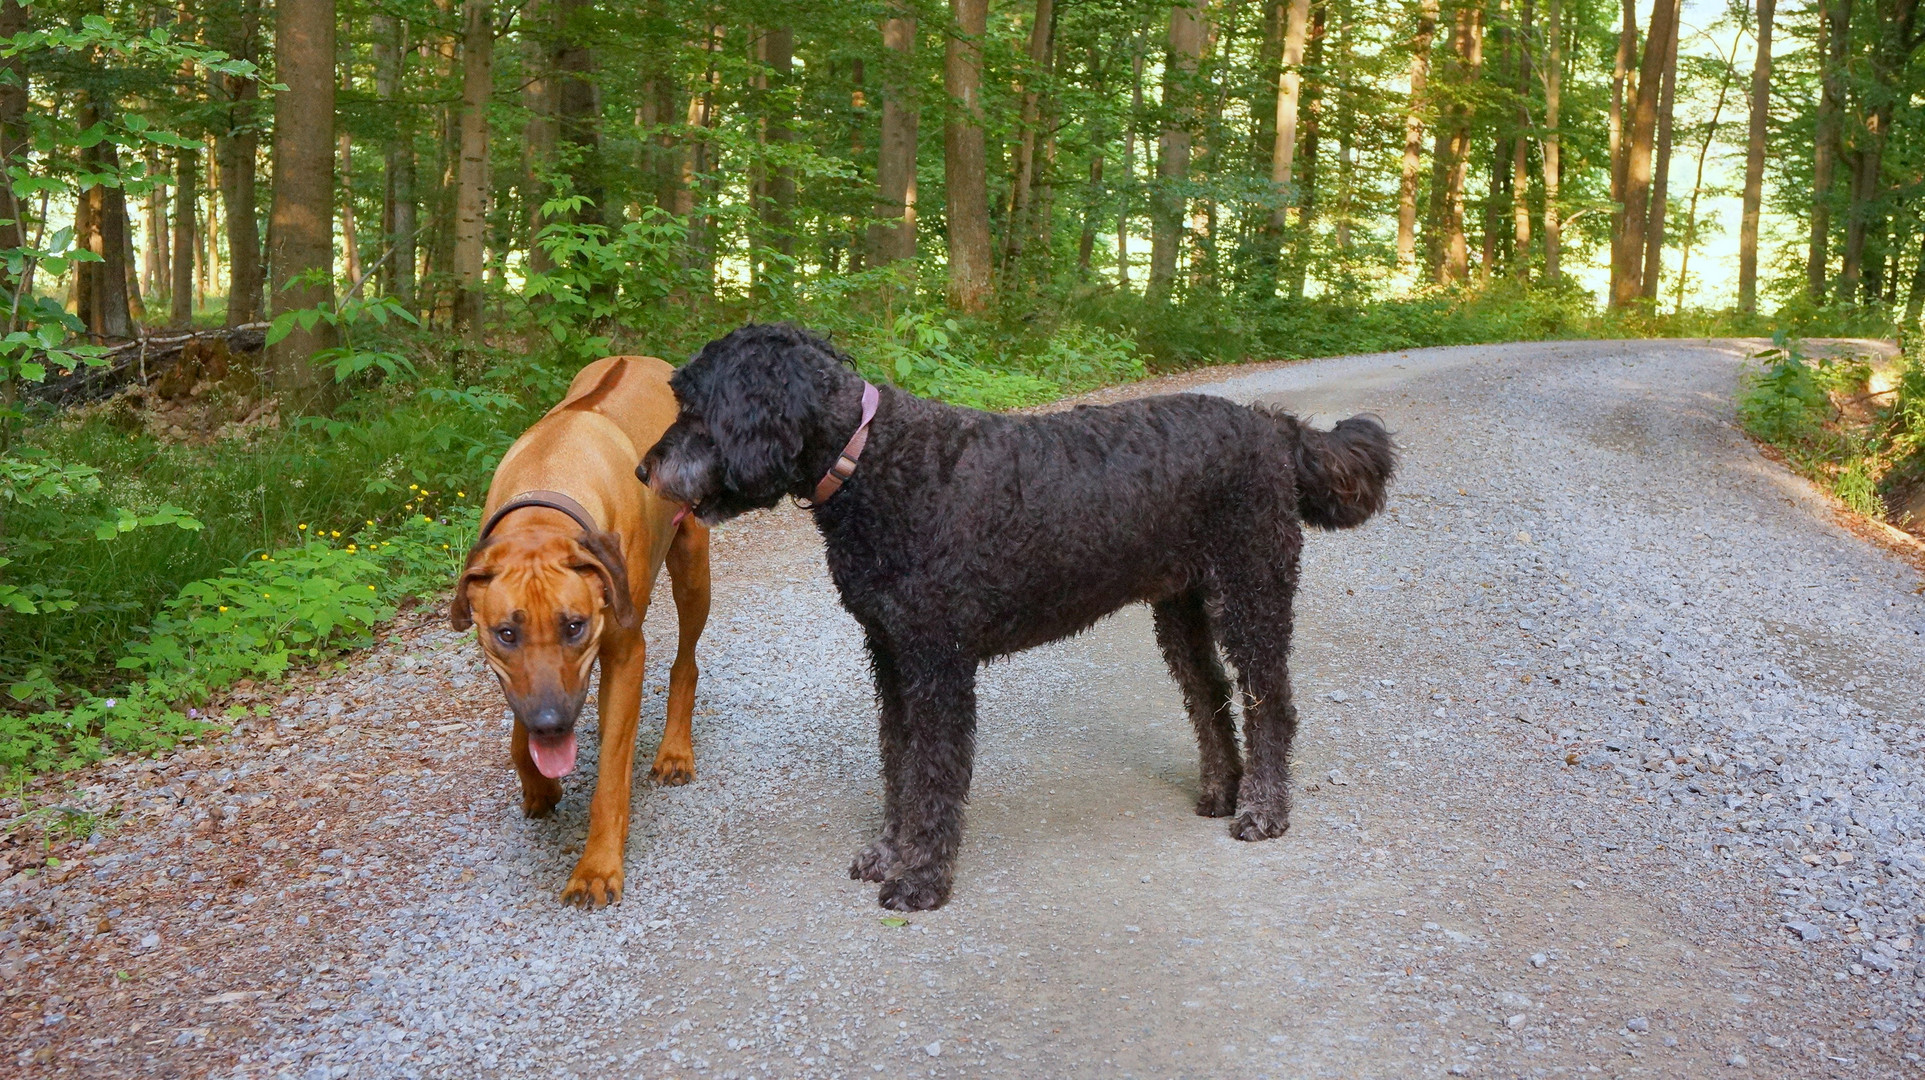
460, 613
609, 565
757, 420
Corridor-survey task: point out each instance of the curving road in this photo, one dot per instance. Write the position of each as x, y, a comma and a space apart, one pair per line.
1609, 767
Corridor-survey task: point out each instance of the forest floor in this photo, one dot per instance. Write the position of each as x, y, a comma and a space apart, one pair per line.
1610, 766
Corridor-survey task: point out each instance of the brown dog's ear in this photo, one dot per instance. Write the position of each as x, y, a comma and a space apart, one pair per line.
460, 614
612, 568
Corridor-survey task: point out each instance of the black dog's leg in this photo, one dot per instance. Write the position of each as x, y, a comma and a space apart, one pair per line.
874, 862
1183, 630
938, 756
1256, 627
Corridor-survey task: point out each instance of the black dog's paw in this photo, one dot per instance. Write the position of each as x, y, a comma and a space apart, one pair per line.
1260, 825
1217, 802
916, 893
874, 862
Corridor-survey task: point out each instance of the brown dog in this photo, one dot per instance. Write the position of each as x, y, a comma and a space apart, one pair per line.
561, 576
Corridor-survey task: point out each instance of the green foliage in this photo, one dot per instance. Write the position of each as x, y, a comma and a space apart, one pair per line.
291, 606
1794, 404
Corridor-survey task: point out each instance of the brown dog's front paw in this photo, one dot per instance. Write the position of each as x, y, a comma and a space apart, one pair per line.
593, 886
1217, 802
915, 892
1260, 825
874, 862
538, 799
673, 769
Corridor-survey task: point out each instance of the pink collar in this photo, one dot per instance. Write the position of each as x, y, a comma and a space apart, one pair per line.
845, 465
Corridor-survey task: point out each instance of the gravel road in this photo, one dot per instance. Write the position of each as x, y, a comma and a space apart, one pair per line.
1609, 768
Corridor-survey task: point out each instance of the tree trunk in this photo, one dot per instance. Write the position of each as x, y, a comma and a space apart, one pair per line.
1346, 114
1623, 86
1467, 43
1086, 243
300, 225
1661, 173
538, 136
1521, 152
1915, 298
1697, 184
237, 147
1283, 156
100, 226
471, 173
1553, 143
1129, 164
1414, 137
966, 160
1755, 162
1890, 52
1627, 252
397, 159
350, 236
896, 153
1023, 176
778, 204
578, 106
186, 194
13, 139
1834, 45
1312, 124
1173, 149
155, 269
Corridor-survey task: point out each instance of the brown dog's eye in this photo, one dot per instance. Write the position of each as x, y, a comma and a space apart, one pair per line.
505, 635
573, 628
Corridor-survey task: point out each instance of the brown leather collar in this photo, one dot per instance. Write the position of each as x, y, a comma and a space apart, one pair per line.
553, 500
845, 465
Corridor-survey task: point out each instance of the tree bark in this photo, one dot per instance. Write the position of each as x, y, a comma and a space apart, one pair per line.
896, 153
1661, 172
1521, 152
1023, 175
1623, 87
1129, 164
100, 226
1627, 252
186, 194
1414, 137
965, 159
1467, 44
237, 147
1553, 143
1755, 162
301, 223
13, 137
471, 171
1312, 130
578, 106
1891, 51
397, 164
1174, 144
1283, 156
1834, 45
778, 203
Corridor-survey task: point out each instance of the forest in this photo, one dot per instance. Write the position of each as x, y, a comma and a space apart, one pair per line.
285, 279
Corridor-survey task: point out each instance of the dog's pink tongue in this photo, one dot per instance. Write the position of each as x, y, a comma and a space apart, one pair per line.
555, 757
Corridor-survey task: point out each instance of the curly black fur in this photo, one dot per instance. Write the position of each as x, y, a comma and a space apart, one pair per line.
966, 535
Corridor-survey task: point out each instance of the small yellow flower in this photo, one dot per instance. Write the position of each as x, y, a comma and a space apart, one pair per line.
335, 533
264, 596
350, 547
303, 526
370, 521
264, 558
461, 494
414, 487
223, 607
444, 547
409, 506
370, 588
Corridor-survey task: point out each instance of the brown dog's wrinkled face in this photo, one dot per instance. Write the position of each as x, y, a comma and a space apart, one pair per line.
540, 605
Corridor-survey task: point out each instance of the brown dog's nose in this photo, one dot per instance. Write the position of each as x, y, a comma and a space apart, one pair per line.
548, 720
641, 471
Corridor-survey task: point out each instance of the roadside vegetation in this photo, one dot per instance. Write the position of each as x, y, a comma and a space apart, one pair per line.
1854, 424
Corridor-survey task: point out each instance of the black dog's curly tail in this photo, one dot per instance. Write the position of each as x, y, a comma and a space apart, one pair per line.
1343, 473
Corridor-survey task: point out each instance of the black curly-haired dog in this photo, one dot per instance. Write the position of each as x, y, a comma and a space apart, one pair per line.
962, 535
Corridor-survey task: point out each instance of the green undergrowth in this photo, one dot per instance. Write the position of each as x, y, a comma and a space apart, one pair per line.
1851, 424
119, 549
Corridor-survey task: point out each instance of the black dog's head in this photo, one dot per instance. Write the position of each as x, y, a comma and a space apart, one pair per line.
756, 409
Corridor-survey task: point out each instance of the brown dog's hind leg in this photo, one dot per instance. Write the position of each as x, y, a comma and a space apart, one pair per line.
539, 793
598, 876
688, 575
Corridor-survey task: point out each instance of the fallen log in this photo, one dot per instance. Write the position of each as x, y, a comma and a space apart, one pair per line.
140, 362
